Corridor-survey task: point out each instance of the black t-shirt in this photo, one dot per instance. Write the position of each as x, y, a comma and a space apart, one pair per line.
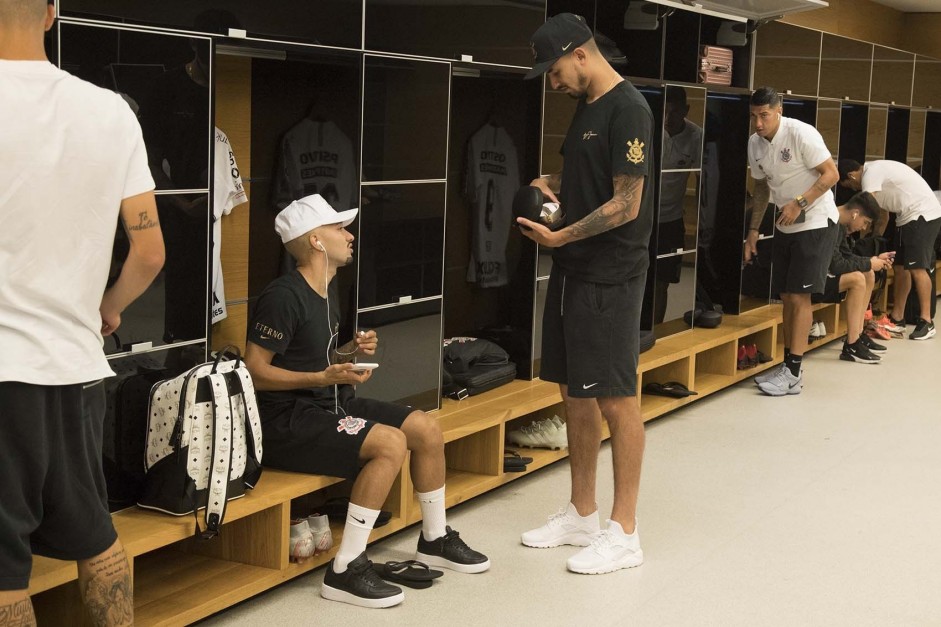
612, 135
290, 319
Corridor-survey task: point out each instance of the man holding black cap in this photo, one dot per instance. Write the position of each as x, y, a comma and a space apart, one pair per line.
900, 190
592, 314
312, 421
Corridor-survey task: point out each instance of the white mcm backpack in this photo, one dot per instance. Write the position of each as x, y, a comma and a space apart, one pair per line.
203, 441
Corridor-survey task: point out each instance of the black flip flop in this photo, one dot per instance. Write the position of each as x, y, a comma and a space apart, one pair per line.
673, 389
411, 573
509, 451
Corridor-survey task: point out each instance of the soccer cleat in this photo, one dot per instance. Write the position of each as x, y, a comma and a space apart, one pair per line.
751, 354
612, 550
360, 585
782, 383
563, 527
742, 362
320, 530
549, 433
301, 541
873, 346
924, 330
449, 551
858, 352
877, 331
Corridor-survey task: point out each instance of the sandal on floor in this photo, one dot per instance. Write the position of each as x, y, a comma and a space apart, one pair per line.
411, 573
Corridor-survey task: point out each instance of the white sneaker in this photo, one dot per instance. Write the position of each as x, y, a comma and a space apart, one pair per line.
821, 330
564, 527
768, 375
301, 542
783, 383
549, 433
612, 550
320, 532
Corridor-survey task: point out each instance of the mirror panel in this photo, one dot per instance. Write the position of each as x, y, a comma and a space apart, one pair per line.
876, 132
675, 297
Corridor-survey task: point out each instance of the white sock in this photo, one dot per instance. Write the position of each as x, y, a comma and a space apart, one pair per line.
433, 520
359, 524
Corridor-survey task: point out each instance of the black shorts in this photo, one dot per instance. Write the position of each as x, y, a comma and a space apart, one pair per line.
670, 237
801, 260
53, 499
305, 437
831, 291
915, 244
590, 335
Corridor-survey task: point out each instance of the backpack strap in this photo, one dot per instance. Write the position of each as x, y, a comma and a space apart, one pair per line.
220, 468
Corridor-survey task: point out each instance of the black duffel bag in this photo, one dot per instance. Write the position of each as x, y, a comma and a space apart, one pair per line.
473, 365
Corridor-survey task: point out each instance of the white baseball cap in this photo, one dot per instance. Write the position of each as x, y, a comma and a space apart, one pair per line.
308, 213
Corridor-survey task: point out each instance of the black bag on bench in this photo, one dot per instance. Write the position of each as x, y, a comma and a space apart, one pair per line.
473, 366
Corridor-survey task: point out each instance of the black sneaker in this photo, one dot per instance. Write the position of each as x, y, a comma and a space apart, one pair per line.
449, 551
923, 330
858, 352
360, 585
871, 345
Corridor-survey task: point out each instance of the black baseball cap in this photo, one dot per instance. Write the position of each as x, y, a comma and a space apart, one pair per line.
560, 35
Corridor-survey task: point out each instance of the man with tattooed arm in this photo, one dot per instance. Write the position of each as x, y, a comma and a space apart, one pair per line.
72, 160
591, 322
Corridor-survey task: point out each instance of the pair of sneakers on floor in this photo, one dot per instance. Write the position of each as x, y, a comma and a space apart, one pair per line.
361, 585
606, 550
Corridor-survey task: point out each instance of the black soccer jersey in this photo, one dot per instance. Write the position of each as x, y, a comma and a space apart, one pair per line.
290, 319
612, 135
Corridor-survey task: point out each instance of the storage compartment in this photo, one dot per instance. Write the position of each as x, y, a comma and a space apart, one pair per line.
715, 367
677, 371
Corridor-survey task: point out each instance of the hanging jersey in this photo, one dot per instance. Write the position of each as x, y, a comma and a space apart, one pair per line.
491, 180
316, 158
228, 193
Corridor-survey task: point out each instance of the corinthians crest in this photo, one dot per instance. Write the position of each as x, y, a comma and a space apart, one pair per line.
635, 151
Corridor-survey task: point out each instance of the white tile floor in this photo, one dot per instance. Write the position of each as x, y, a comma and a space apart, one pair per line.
817, 509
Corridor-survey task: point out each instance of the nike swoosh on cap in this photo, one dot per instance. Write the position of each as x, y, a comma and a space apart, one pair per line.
566, 46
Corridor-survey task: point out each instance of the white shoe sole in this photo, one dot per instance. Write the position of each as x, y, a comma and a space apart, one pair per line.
930, 334
440, 562
571, 539
333, 594
775, 391
631, 561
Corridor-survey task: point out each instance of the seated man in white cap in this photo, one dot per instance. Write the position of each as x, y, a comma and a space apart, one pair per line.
312, 421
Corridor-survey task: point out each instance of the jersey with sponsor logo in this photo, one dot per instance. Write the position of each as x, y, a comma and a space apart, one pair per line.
900, 190
609, 137
316, 158
789, 164
228, 193
290, 320
491, 181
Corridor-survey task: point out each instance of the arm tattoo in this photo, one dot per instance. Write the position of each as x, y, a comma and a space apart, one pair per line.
622, 208
820, 186
108, 592
761, 198
144, 222
18, 614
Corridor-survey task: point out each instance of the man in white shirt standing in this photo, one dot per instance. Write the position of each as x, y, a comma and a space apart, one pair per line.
900, 190
72, 159
793, 168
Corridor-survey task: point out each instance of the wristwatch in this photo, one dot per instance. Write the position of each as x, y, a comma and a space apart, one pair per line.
801, 201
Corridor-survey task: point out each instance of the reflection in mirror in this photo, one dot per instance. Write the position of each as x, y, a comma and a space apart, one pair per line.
405, 119
542, 287
756, 275
931, 164
409, 354
680, 295
892, 74
916, 138
401, 243
876, 132
896, 136
558, 109
854, 119
787, 57
845, 68
828, 123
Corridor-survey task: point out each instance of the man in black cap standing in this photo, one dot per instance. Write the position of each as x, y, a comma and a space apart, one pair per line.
592, 314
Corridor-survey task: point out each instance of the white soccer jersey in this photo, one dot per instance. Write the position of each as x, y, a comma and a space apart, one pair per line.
70, 152
788, 163
228, 193
901, 190
680, 152
491, 181
316, 158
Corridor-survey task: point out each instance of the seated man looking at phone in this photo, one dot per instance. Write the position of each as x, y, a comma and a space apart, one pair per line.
312, 421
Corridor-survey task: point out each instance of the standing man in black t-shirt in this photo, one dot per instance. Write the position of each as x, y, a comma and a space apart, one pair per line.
312, 421
591, 323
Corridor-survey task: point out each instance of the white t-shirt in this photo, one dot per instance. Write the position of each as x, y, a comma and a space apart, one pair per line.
680, 152
901, 190
788, 163
227, 194
491, 181
70, 152
316, 158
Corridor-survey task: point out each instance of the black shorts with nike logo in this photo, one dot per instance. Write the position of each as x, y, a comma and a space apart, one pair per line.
800, 260
915, 242
590, 335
